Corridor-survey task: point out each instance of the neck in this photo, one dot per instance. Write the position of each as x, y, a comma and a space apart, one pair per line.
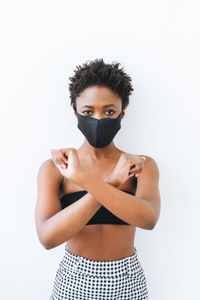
89, 152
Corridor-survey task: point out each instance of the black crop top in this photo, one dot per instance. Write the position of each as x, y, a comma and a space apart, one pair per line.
102, 216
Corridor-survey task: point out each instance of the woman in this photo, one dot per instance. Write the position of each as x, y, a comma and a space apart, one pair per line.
86, 195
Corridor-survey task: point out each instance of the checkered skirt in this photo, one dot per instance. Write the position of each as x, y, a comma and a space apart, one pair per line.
79, 278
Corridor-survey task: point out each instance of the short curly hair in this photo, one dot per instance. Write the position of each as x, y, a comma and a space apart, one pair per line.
99, 73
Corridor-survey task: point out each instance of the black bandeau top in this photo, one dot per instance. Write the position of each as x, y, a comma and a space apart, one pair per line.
103, 215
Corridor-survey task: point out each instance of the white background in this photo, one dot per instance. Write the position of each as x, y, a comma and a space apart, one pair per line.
157, 42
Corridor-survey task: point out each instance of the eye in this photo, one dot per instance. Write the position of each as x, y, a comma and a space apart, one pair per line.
86, 111
110, 110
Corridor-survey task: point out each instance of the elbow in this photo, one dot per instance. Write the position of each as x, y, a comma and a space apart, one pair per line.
45, 236
150, 226
45, 240
50, 244
47, 244
151, 223
48, 247
50, 238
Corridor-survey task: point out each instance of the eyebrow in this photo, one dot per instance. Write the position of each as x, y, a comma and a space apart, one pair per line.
90, 106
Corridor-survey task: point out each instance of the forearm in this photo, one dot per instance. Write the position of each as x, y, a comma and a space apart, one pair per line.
129, 208
62, 226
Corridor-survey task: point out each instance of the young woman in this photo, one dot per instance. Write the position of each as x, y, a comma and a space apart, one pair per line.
93, 198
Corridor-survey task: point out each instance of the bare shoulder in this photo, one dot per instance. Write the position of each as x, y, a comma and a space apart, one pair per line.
49, 178
48, 168
150, 166
150, 172
150, 161
47, 164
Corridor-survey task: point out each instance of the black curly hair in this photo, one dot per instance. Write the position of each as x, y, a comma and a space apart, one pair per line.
99, 73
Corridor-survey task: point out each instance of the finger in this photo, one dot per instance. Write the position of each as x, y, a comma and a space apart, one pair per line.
61, 169
61, 158
132, 174
65, 155
135, 167
138, 173
73, 158
53, 155
56, 157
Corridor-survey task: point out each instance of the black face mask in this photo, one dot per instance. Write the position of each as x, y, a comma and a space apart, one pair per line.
99, 133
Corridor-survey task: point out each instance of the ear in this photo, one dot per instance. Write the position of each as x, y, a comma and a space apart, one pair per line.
75, 114
123, 113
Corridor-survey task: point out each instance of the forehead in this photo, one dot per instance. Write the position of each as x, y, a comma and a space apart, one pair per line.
98, 96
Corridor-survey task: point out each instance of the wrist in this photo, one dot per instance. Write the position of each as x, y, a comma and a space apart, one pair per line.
77, 177
112, 181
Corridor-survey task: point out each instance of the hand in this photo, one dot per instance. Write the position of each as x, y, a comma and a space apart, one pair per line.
59, 156
67, 162
127, 166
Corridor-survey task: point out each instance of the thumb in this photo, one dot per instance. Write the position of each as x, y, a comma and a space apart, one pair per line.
143, 157
73, 158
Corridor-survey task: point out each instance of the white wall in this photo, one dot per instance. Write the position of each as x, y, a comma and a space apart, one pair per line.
158, 44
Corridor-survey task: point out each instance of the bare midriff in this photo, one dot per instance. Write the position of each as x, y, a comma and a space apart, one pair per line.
104, 242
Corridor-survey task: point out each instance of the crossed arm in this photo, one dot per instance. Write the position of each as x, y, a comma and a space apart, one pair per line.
141, 210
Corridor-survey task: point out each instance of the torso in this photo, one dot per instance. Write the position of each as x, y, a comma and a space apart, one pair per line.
101, 241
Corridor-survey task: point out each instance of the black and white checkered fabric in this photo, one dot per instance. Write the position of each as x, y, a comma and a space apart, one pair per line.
79, 278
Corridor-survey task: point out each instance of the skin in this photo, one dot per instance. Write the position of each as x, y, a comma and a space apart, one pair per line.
101, 172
